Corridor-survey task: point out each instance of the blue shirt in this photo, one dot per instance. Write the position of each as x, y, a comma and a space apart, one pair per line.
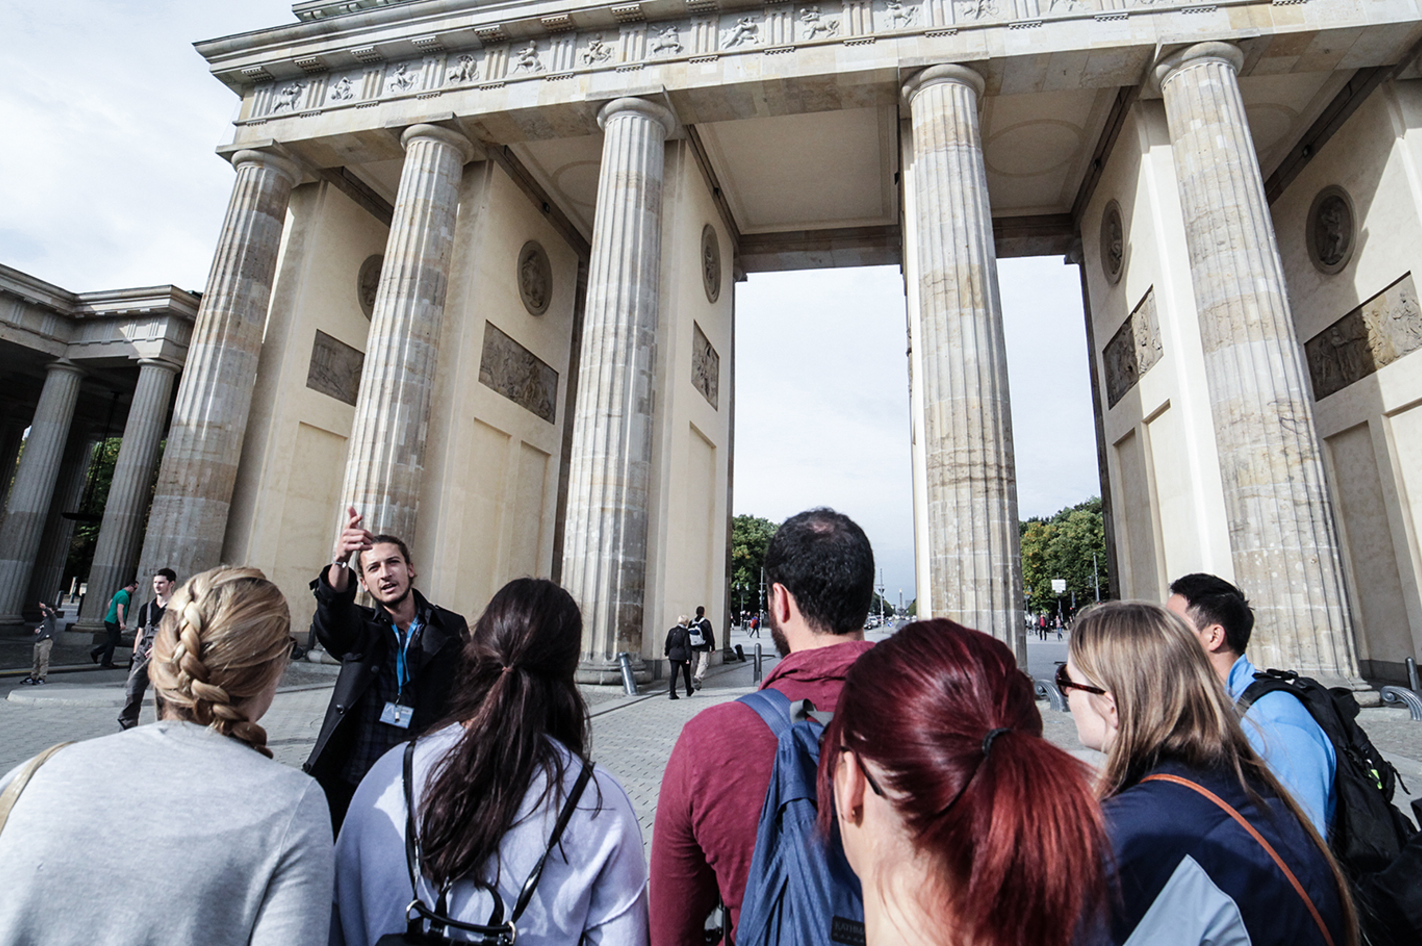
1298, 753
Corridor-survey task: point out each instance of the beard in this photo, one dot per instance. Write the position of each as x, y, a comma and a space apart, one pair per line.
782, 646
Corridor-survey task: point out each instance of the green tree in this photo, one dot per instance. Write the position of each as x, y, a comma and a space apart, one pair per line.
1061, 546
750, 535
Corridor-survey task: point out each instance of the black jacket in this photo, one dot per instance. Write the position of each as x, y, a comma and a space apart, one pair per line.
360, 637
678, 644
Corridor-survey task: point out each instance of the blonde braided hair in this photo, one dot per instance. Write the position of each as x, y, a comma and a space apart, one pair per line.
223, 640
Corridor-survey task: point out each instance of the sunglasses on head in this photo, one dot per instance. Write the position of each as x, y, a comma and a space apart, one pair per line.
1066, 683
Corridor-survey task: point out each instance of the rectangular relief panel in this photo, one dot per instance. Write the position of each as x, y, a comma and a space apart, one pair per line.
1375, 334
1133, 350
518, 374
1368, 544
335, 368
705, 367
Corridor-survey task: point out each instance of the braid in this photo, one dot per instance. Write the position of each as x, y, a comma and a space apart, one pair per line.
223, 640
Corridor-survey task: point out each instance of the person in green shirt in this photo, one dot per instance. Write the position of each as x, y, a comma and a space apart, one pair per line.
114, 623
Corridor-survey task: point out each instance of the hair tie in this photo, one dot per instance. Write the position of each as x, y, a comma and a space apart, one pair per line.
507, 668
987, 740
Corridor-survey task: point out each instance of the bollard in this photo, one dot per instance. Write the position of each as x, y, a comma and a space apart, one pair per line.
629, 680
757, 664
1412, 674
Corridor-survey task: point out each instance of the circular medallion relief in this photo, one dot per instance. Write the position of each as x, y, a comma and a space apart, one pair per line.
368, 283
710, 263
1113, 242
535, 277
1331, 229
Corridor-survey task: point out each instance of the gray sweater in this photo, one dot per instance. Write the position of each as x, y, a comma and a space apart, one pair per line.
166, 834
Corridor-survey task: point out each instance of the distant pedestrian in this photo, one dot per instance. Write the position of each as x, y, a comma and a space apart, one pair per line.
703, 647
115, 623
754, 626
145, 629
1042, 626
44, 643
678, 651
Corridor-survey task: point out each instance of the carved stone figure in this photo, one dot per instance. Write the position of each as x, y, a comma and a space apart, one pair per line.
368, 283
816, 24
746, 30
341, 91
518, 374
1069, 6
288, 96
1374, 335
900, 16
527, 60
535, 277
710, 263
401, 80
1113, 242
1133, 350
667, 41
466, 71
978, 9
597, 51
1331, 230
705, 367
335, 368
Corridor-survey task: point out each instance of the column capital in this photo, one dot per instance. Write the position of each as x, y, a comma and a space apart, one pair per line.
947, 72
1227, 53
64, 364
652, 110
283, 165
159, 363
467, 149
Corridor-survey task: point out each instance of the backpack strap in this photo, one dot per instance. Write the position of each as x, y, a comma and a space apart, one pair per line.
772, 706
1265, 683
1253, 833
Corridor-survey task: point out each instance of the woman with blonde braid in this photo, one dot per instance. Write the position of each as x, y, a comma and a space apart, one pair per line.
184, 831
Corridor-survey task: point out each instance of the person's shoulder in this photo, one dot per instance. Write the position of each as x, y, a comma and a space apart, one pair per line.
729, 722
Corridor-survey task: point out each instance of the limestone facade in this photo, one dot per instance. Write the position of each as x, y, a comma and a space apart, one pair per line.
515, 352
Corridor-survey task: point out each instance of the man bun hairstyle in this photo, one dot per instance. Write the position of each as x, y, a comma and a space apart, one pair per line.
224, 639
824, 559
1007, 822
1212, 600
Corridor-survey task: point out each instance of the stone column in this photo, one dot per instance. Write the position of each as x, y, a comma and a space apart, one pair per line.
34, 486
58, 531
188, 519
975, 567
605, 540
1281, 527
116, 551
12, 434
387, 450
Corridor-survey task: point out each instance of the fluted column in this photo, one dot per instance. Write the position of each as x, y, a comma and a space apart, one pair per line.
34, 486
387, 450
189, 515
605, 540
1282, 538
975, 565
12, 434
59, 531
116, 551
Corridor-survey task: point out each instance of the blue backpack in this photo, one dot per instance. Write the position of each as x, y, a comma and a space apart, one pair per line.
801, 889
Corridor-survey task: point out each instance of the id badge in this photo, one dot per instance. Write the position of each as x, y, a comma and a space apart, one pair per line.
397, 715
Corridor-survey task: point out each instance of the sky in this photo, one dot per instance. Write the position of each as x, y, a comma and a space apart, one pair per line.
110, 180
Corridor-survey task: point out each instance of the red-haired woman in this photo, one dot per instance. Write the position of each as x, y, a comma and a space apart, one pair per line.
964, 825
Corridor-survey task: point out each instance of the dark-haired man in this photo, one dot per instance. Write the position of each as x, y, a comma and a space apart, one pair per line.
819, 570
1277, 725
397, 660
146, 629
115, 623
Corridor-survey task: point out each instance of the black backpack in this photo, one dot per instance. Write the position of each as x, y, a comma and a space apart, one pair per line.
1368, 834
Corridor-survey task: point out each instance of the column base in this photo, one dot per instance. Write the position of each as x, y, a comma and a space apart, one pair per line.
88, 626
602, 671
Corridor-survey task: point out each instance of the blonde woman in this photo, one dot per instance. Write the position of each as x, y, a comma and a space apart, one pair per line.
1208, 847
184, 831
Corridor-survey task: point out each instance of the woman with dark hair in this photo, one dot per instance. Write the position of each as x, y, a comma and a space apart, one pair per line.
513, 825
1209, 848
964, 825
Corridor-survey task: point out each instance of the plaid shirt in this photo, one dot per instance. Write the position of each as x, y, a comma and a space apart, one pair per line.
372, 737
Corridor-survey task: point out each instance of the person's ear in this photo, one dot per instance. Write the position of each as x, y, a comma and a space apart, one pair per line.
780, 603
1215, 638
848, 792
1106, 705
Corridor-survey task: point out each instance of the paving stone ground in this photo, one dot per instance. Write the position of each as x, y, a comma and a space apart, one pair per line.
632, 736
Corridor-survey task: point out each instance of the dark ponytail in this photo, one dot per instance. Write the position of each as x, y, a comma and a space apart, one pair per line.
515, 691
1008, 820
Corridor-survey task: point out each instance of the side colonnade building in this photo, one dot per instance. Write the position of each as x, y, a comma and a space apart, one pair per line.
475, 279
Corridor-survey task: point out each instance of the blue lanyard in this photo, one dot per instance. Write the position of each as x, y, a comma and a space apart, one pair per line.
402, 646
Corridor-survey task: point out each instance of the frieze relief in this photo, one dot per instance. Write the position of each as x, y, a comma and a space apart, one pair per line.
335, 368
705, 367
518, 374
1133, 350
1372, 336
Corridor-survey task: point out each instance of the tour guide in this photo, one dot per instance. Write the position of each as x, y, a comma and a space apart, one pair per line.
397, 662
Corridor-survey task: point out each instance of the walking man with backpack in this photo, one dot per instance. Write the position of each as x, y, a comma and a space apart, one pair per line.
1277, 725
820, 576
703, 642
